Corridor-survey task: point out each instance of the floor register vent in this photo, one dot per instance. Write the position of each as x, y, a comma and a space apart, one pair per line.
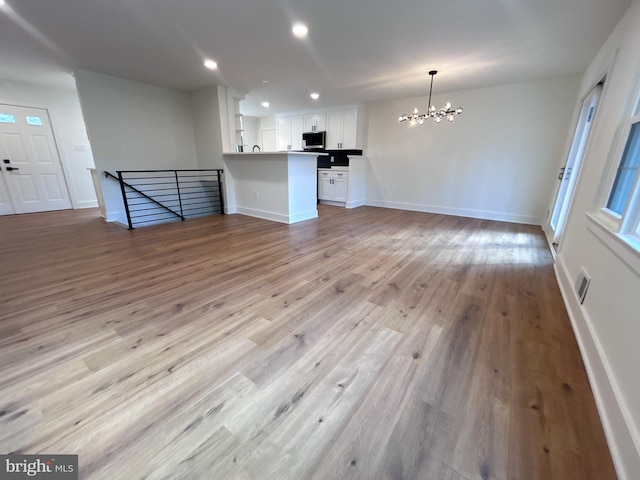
582, 285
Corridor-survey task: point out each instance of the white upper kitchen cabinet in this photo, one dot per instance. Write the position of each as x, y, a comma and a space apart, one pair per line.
289, 133
315, 122
342, 129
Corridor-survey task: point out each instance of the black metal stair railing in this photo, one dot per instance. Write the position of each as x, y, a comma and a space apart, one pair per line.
158, 196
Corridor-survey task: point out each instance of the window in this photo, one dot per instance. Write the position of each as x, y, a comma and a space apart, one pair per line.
35, 121
627, 172
623, 201
7, 118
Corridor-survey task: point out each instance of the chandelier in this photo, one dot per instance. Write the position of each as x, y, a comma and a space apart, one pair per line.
437, 114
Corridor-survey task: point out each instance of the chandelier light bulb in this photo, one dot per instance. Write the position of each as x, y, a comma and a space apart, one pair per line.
447, 106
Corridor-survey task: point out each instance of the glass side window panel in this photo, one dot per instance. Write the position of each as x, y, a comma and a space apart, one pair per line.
36, 121
627, 172
7, 118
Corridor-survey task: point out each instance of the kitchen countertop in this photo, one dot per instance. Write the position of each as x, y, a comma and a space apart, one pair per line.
245, 154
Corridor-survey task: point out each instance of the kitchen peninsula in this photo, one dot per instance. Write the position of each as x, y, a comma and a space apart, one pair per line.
278, 186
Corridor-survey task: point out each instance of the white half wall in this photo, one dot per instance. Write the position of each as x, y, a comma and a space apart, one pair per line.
607, 324
68, 129
496, 161
134, 126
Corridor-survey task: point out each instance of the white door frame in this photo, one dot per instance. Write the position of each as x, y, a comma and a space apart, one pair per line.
569, 173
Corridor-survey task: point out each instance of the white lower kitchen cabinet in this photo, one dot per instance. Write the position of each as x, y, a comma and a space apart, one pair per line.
333, 185
343, 186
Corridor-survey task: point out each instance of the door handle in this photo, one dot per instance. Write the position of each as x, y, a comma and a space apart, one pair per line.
11, 169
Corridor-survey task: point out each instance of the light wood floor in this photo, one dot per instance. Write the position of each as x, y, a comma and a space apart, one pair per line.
369, 344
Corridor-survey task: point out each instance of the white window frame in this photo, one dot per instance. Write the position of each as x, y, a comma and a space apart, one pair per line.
626, 225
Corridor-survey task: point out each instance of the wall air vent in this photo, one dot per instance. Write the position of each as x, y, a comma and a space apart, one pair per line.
582, 285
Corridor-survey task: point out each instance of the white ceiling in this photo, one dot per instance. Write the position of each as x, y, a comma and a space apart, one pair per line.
356, 51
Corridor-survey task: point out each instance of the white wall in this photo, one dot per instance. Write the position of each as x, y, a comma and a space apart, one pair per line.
207, 129
608, 323
69, 130
135, 126
497, 160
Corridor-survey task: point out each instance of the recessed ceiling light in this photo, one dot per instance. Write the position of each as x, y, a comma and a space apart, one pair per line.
315, 95
265, 104
2, 3
210, 64
264, 81
300, 30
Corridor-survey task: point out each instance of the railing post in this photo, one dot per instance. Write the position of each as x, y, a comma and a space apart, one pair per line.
124, 199
220, 191
179, 198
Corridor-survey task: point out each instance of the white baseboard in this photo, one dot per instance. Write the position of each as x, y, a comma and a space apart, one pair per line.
277, 217
619, 429
87, 204
333, 203
458, 212
355, 204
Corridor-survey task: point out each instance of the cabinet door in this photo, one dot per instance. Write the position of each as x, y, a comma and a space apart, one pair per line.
321, 122
297, 125
283, 131
341, 189
310, 123
334, 130
349, 128
326, 189
315, 122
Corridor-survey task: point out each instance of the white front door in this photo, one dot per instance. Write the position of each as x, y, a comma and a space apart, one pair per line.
32, 178
6, 205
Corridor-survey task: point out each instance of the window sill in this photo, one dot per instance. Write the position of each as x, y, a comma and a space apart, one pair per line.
625, 247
